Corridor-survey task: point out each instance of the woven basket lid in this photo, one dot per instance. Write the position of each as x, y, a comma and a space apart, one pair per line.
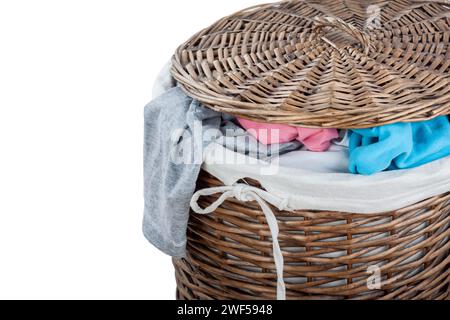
330, 63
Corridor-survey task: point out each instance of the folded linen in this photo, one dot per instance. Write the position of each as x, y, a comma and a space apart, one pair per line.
398, 146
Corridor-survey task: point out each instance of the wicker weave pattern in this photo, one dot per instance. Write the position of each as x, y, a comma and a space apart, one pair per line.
328, 253
320, 64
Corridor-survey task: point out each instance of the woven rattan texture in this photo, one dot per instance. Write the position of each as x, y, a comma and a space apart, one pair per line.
330, 63
328, 255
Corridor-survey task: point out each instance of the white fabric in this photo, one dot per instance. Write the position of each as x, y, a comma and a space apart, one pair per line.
303, 189
335, 160
344, 139
245, 193
164, 81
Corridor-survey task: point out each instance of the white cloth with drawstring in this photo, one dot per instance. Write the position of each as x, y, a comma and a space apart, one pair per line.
291, 189
245, 193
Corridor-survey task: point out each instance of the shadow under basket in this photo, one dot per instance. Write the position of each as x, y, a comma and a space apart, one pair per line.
402, 254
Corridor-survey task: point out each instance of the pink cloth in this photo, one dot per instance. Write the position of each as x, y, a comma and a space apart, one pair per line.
313, 139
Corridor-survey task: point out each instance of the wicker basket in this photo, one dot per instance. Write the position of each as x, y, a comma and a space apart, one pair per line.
320, 64
328, 254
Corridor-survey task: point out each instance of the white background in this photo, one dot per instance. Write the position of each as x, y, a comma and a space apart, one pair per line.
74, 78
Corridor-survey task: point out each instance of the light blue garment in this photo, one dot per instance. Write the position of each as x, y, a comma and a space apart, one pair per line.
398, 146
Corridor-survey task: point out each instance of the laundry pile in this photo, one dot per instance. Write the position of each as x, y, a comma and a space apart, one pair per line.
373, 150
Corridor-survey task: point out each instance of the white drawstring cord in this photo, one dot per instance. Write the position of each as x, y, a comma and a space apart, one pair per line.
245, 193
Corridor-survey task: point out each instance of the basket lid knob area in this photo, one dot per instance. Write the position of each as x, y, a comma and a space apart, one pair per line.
349, 30
328, 63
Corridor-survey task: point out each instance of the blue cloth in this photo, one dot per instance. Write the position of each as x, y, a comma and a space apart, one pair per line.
398, 146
